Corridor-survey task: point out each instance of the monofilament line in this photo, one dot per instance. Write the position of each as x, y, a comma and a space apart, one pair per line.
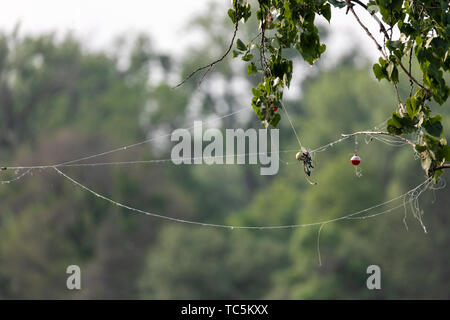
132, 162
292, 126
409, 197
23, 174
123, 148
413, 193
144, 141
224, 225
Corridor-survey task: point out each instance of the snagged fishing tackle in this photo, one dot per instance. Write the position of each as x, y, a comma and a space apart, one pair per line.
305, 157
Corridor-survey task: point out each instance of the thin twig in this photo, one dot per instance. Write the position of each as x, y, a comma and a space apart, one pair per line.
382, 27
386, 34
210, 65
254, 38
350, 7
411, 83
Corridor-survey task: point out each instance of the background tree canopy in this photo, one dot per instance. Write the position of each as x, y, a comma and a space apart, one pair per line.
59, 100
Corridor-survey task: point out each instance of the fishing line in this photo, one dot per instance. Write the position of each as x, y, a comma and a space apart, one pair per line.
128, 207
145, 141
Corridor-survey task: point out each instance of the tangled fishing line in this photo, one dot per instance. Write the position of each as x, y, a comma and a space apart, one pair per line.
410, 198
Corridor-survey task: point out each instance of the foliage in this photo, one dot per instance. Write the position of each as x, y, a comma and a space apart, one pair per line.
424, 28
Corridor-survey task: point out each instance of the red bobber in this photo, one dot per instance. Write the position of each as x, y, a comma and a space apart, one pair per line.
355, 160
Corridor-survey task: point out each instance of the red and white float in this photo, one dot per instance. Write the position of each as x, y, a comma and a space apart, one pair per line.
355, 160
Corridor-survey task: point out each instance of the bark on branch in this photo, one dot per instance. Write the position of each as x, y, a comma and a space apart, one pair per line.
443, 166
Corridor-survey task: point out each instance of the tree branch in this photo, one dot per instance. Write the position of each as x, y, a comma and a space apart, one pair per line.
382, 29
443, 166
411, 83
210, 65
369, 133
350, 7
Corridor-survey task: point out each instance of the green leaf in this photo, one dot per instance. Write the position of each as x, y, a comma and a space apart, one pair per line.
392, 71
434, 126
379, 70
275, 119
420, 148
231, 15
337, 4
288, 12
309, 45
256, 92
326, 11
247, 57
241, 45
437, 173
412, 108
252, 69
392, 45
394, 121
447, 153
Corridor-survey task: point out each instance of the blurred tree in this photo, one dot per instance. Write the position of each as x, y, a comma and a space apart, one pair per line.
59, 102
192, 263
